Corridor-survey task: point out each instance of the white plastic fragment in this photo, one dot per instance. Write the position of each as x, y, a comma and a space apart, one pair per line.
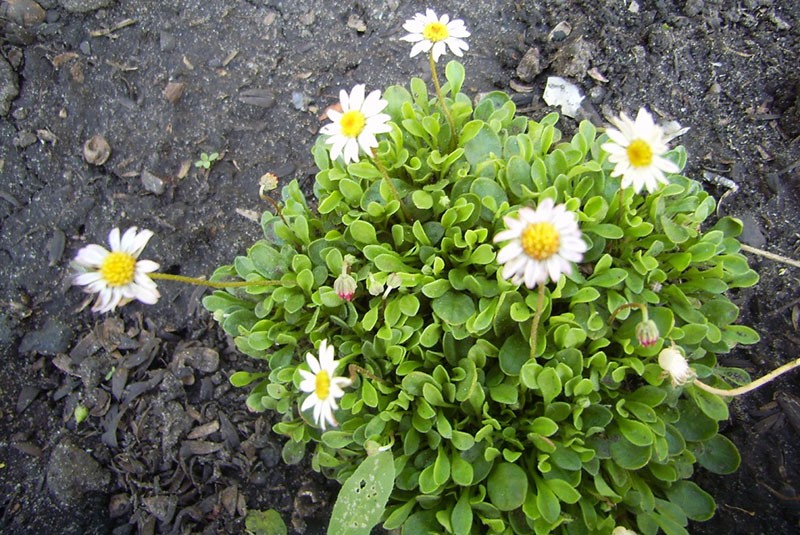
566, 95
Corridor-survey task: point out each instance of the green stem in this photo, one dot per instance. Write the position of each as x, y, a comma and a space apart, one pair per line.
379, 164
536, 317
752, 386
640, 306
441, 101
212, 284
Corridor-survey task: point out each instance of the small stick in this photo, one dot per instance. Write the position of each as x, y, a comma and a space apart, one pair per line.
108, 31
770, 256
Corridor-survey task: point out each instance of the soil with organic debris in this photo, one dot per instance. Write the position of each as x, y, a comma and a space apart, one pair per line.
168, 446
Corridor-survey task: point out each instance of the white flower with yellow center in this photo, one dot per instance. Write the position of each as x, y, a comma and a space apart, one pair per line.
544, 243
637, 148
676, 366
323, 385
357, 124
431, 32
116, 276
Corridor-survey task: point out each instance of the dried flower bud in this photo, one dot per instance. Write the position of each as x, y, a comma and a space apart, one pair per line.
345, 286
675, 364
647, 333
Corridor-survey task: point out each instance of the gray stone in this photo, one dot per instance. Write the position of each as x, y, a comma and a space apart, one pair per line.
72, 473
152, 183
26, 13
84, 6
751, 232
52, 339
9, 86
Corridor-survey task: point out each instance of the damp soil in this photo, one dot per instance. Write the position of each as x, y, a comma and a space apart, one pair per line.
169, 446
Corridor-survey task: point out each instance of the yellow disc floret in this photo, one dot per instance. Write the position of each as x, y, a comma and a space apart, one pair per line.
353, 123
435, 32
323, 385
118, 269
640, 154
540, 241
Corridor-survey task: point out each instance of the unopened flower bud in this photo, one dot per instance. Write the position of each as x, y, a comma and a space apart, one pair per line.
345, 286
373, 286
620, 530
647, 333
675, 364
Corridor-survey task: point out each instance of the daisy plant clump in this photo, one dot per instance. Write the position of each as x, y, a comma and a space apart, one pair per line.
505, 330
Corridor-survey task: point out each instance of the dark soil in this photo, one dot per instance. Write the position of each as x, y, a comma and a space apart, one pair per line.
169, 446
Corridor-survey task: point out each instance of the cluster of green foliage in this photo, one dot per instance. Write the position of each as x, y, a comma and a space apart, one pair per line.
484, 439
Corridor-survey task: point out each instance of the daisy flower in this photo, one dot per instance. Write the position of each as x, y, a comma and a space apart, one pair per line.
637, 148
357, 124
116, 276
431, 32
323, 385
675, 365
543, 243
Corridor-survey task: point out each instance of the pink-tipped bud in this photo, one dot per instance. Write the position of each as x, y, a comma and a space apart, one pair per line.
345, 286
647, 333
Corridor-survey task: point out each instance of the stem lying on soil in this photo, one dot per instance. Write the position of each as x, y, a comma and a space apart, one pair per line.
752, 386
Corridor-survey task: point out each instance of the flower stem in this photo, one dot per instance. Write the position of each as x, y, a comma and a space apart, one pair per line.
212, 284
752, 386
770, 256
537, 316
640, 306
445, 109
382, 169
275, 205
354, 369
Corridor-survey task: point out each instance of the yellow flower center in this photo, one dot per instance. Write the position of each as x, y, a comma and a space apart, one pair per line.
118, 269
353, 122
435, 32
639, 153
323, 385
540, 241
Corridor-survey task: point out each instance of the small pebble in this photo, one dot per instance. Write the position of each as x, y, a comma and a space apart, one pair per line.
152, 183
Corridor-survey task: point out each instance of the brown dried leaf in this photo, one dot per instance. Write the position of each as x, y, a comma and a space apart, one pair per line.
199, 447
204, 430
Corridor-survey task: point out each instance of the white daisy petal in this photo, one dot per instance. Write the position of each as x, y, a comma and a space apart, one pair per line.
542, 244
323, 385
434, 34
354, 130
117, 276
637, 149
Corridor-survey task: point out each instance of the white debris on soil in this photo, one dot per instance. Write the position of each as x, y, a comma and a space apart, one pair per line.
566, 95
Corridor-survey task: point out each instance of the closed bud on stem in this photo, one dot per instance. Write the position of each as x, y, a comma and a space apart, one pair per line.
647, 333
345, 286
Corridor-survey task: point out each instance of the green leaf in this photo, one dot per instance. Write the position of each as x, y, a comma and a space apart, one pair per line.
461, 518
507, 486
637, 433
454, 307
549, 383
608, 278
267, 522
454, 72
362, 499
719, 455
514, 353
363, 232
712, 405
695, 502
